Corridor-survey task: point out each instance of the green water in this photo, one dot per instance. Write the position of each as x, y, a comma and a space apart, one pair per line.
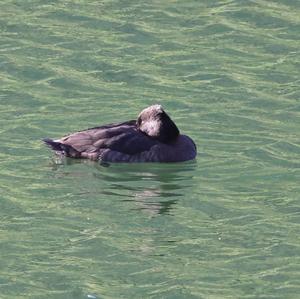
224, 226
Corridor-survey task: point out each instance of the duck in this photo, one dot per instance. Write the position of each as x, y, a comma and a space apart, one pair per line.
152, 137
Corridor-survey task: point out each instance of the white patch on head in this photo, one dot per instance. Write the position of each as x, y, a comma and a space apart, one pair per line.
158, 107
153, 108
152, 124
151, 127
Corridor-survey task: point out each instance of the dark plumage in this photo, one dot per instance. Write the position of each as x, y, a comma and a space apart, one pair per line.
153, 137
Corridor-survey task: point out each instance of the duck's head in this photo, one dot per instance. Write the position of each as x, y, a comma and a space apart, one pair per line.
156, 123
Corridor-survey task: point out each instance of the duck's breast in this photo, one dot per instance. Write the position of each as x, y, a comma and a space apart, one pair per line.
183, 149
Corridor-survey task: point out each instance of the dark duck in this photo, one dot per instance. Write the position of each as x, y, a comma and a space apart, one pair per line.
153, 137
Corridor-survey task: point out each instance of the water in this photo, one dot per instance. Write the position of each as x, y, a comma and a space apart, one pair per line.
223, 226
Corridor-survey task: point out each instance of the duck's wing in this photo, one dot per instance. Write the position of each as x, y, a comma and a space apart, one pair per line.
130, 142
123, 138
85, 140
100, 132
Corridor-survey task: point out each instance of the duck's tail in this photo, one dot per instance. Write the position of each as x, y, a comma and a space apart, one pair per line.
61, 148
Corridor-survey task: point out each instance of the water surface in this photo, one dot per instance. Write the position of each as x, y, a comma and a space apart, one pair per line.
223, 226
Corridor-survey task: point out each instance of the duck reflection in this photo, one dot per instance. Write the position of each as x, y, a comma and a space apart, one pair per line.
154, 188
143, 200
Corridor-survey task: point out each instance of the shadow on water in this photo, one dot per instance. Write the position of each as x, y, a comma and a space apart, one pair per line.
155, 188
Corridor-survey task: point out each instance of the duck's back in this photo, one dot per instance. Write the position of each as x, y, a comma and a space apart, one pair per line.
109, 142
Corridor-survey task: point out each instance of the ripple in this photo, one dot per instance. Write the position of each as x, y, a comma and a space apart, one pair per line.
228, 72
